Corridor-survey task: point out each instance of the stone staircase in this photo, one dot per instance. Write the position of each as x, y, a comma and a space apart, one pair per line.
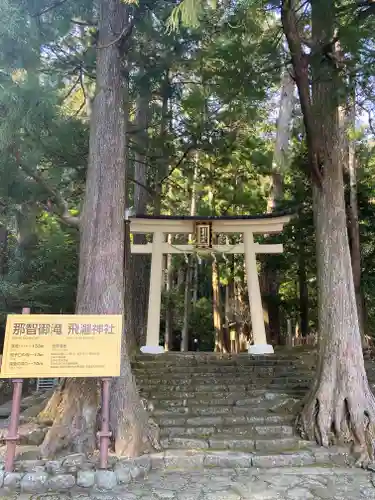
217, 410
234, 407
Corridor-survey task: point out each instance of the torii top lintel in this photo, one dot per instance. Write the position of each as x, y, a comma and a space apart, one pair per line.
261, 224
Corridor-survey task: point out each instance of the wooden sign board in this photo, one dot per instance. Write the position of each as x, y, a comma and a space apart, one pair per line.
203, 235
56, 345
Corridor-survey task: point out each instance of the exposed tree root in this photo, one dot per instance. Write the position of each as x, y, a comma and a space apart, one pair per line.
341, 410
134, 433
48, 414
74, 407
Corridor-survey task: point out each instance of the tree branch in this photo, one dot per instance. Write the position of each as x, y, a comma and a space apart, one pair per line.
300, 63
83, 23
62, 208
125, 34
50, 7
71, 90
186, 152
146, 188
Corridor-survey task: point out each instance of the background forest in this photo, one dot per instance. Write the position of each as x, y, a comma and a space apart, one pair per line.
214, 127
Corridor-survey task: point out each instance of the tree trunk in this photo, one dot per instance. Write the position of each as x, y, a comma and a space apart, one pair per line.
162, 165
3, 273
354, 238
216, 305
3, 250
352, 211
340, 406
271, 278
283, 133
140, 264
228, 319
168, 340
101, 270
303, 292
26, 241
187, 306
190, 268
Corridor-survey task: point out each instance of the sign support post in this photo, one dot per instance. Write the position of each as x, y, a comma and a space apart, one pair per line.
104, 434
12, 436
61, 346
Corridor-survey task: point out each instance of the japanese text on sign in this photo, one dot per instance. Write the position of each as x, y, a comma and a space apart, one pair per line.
62, 346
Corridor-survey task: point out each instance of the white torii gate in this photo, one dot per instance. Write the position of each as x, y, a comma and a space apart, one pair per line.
162, 225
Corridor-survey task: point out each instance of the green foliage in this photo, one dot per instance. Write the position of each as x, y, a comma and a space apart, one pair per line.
188, 13
48, 271
211, 74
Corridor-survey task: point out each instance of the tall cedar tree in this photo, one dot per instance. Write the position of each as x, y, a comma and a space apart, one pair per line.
101, 267
340, 405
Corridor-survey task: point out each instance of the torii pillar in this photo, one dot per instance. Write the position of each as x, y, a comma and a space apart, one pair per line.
260, 345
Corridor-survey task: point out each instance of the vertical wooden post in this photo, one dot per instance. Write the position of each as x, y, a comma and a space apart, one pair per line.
255, 300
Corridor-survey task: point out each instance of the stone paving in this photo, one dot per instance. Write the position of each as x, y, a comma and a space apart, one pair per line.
301, 483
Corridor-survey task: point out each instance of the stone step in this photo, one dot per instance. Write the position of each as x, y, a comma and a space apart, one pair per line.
230, 459
290, 386
229, 399
153, 396
200, 358
248, 402
219, 384
221, 388
183, 395
310, 455
221, 370
191, 420
234, 431
249, 387
181, 373
229, 442
204, 410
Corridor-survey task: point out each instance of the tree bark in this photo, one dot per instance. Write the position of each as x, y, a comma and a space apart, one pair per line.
340, 406
101, 270
228, 319
216, 305
187, 306
162, 166
354, 238
140, 264
189, 277
352, 208
283, 133
3, 250
303, 292
271, 278
3, 273
26, 240
168, 340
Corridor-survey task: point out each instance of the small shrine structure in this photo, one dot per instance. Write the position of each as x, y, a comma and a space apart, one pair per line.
202, 229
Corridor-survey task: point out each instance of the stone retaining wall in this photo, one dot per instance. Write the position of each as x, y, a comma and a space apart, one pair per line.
38, 476
81, 473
